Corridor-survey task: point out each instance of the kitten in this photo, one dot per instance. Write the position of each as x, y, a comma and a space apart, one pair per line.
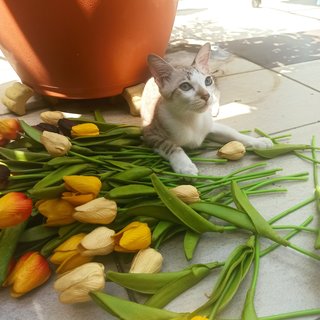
177, 108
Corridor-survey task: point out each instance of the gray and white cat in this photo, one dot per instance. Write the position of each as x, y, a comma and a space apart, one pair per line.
177, 108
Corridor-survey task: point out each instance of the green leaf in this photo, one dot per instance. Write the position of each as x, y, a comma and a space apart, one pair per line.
184, 282
24, 156
31, 132
182, 211
190, 242
226, 213
261, 225
58, 174
234, 271
148, 283
128, 310
37, 233
279, 149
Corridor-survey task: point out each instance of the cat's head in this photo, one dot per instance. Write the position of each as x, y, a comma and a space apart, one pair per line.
190, 88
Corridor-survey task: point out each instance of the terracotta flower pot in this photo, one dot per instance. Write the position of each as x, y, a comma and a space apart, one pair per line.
82, 49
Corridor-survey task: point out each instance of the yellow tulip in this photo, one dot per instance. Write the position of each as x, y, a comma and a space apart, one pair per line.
74, 286
31, 271
82, 189
132, 238
85, 130
67, 255
199, 318
58, 211
15, 207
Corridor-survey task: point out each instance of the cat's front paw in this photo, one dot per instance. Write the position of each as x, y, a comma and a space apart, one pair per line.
185, 167
262, 143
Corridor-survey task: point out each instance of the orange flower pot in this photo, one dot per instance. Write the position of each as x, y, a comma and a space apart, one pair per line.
81, 49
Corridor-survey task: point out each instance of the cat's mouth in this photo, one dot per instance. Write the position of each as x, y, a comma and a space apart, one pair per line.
201, 107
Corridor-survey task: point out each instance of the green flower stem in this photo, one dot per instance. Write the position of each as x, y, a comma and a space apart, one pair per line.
89, 159
294, 314
29, 176
316, 187
263, 191
292, 209
208, 160
303, 156
295, 227
303, 251
287, 237
250, 167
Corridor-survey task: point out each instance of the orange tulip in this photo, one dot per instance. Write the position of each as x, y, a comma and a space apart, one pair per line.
58, 211
31, 271
15, 207
10, 128
135, 236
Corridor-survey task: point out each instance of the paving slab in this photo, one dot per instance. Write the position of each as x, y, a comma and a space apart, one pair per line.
267, 100
306, 73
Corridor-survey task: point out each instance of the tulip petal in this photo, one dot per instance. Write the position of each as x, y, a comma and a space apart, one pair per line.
83, 184
77, 199
133, 237
76, 284
73, 262
71, 243
15, 207
31, 271
85, 130
58, 211
100, 211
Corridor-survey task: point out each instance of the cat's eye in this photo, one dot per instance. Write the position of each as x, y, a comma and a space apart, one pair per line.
185, 86
208, 81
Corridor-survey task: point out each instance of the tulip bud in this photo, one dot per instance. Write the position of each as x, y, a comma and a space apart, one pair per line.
74, 286
135, 236
9, 128
82, 189
186, 193
98, 242
100, 211
31, 271
65, 126
233, 150
85, 130
147, 261
67, 255
199, 318
56, 144
51, 117
58, 211
15, 207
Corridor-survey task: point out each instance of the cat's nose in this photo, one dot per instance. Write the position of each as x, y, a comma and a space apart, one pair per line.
205, 96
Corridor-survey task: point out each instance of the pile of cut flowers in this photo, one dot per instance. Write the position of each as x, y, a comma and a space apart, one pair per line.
75, 190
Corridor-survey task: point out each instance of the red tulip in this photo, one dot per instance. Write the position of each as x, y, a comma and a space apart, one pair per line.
31, 271
15, 207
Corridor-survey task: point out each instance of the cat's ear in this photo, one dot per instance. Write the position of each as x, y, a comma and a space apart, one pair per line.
160, 69
201, 61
